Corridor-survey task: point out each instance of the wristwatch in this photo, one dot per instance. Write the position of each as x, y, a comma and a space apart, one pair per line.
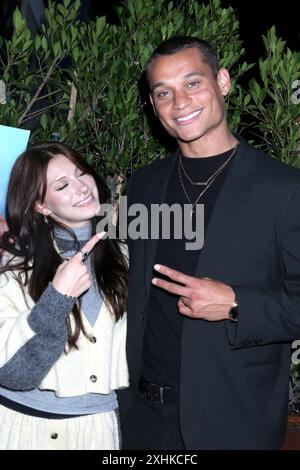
233, 313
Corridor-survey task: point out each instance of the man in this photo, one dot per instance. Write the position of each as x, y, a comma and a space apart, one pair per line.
209, 331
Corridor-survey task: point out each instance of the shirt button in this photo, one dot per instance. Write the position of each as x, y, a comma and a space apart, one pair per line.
93, 378
54, 435
93, 339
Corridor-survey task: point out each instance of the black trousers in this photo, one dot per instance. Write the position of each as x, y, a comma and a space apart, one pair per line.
152, 426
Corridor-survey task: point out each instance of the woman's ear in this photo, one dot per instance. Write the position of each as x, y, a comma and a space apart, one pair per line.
42, 209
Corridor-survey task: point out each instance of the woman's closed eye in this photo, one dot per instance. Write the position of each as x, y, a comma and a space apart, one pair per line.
62, 187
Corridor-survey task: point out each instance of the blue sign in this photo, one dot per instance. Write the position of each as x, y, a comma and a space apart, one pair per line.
13, 142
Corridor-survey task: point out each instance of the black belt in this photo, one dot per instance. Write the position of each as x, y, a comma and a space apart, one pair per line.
157, 393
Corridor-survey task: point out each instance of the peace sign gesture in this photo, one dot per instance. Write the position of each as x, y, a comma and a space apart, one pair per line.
199, 297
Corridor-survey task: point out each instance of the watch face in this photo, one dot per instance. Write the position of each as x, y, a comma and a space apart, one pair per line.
233, 314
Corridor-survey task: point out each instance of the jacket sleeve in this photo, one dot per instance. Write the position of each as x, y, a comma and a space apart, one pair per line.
273, 316
30, 340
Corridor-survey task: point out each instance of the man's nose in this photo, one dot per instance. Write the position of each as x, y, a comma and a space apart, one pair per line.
181, 99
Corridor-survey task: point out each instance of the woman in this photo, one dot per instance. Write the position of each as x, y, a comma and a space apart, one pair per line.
3, 228
62, 304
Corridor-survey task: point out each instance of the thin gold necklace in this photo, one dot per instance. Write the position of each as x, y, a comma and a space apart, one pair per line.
212, 177
207, 183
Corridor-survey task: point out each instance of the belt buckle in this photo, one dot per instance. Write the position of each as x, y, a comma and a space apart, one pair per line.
155, 393
161, 395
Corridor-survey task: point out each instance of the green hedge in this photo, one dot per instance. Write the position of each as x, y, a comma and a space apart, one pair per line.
81, 82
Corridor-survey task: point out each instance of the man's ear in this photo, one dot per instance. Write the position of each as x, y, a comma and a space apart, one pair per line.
153, 105
42, 209
223, 79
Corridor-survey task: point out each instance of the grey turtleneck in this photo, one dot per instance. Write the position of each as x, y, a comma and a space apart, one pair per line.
25, 370
91, 299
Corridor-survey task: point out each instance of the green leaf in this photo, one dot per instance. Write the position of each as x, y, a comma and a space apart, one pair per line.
63, 38
37, 42
62, 9
56, 48
44, 121
247, 100
44, 43
17, 19
100, 25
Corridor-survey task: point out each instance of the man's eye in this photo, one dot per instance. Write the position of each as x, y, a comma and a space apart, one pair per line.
82, 174
193, 84
162, 94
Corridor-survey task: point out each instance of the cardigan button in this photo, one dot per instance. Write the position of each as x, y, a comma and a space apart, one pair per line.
93, 339
93, 378
54, 435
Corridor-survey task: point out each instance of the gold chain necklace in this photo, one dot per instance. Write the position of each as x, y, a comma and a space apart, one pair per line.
207, 183
212, 177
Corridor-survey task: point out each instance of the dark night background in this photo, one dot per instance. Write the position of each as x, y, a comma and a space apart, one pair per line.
255, 17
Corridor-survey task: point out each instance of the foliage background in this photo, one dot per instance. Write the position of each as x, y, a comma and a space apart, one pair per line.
82, 83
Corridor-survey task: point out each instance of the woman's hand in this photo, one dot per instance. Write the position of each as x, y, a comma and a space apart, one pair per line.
72, 277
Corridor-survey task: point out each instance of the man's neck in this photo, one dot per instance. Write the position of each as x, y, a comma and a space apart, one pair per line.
208, 146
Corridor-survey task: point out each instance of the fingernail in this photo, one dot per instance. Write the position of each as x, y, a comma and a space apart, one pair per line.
154, 280
157, 267
101, 234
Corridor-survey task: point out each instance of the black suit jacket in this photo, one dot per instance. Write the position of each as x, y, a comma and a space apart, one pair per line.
234, 377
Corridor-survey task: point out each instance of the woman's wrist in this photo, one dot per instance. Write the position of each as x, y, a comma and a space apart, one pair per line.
66, 296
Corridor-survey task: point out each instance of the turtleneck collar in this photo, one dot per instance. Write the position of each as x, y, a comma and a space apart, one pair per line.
82, 233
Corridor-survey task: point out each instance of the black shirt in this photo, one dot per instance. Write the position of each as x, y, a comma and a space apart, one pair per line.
162, 340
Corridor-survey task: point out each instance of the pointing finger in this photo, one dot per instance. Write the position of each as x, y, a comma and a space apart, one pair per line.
89, 246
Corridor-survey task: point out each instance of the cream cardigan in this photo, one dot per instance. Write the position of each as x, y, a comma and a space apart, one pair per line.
96, 367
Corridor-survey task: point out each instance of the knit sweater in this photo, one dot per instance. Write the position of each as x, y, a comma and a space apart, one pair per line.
33, 337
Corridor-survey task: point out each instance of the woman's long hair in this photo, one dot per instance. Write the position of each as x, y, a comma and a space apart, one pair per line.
31, 238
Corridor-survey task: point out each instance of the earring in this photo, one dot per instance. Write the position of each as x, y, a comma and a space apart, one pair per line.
46, 219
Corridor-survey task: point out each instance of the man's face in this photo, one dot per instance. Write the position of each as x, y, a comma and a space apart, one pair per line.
187, 98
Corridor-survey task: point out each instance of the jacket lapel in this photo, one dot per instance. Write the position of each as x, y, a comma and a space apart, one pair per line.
156, 193
225, 219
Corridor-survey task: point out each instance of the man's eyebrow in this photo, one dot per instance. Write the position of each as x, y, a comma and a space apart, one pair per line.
188, 75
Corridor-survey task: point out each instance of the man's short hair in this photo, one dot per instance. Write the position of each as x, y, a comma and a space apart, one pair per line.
181, 43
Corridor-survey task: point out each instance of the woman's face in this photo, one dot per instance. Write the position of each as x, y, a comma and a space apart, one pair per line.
72, 196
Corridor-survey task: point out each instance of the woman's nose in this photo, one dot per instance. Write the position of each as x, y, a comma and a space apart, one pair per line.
81, 188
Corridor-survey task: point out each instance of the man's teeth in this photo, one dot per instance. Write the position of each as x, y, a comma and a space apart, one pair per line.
190, 116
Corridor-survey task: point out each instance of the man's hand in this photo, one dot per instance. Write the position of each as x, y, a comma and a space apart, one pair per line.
199, 297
